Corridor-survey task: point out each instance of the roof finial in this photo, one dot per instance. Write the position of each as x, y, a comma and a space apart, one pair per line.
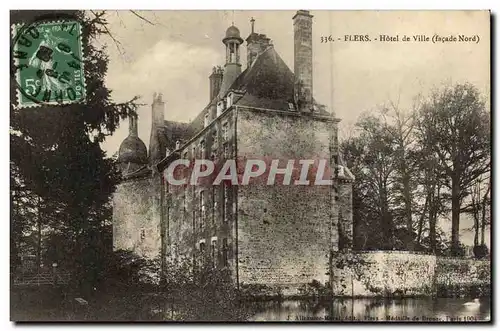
232, 23
252, 21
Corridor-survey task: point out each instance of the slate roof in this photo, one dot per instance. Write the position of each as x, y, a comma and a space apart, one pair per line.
178, 130
173, 131
132, 149
267, 83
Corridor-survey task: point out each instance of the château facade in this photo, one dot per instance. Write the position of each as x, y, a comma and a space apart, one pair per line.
279, 235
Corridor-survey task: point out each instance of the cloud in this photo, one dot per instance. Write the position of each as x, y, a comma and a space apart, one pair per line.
175, 57
178, 70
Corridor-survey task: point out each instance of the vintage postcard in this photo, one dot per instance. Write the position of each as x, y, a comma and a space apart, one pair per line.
250, 166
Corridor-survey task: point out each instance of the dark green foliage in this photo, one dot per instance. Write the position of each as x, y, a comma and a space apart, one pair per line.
416, 167
480, 251
188, 293
250, 291
315, 289
61, 179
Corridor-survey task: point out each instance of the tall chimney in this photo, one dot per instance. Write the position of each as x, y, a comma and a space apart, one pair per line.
132, 125
156, 153
302, 26
256, 44
215, 81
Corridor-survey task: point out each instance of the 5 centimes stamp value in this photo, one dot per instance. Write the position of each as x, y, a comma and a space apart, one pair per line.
48, 63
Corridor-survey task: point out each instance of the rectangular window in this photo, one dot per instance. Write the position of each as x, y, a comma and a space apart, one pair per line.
184, 172
184, 201
202, 252
225, 131
223, 202
166, 186
226, 206
214, 204
202, 149
194, 219
214, 252
224, 252
215, 139
202, 209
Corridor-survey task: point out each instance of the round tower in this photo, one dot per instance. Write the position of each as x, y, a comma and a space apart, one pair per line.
132, 153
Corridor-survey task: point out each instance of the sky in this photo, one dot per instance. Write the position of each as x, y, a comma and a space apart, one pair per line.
175, 54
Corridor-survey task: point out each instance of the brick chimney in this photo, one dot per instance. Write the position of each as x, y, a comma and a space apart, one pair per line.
302, 28
132, 125
256, 44
215, 81
156, 153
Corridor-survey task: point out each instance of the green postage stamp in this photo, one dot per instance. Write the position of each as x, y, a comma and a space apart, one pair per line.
48, 63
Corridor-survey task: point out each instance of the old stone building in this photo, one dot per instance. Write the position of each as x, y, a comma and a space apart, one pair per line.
278, 235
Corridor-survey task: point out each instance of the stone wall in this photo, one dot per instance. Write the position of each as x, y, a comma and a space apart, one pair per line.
284, 231
201, 218
388, 273
136, 220
457, 271
382, 274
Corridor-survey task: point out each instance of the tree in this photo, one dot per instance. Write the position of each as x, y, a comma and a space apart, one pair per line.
365, 218
371, 158
456, 126
56, 154
478, 207
400, 125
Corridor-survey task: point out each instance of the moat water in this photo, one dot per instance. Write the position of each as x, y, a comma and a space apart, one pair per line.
419, 309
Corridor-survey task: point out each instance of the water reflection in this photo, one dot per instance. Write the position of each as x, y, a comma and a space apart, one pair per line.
421, 309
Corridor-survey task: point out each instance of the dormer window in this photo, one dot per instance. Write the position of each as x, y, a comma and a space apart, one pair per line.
207, 120
230, 99
291, 106
220, 108
341, 171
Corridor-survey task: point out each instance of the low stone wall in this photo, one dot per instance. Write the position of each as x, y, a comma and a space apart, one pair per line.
456, 271
457, 277
398, 273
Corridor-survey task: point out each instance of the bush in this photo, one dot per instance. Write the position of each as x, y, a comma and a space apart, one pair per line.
130, 289
201, 292
480, 251
126, 270
315, 289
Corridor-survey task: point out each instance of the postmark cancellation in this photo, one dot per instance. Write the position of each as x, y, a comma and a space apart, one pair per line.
48, 63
